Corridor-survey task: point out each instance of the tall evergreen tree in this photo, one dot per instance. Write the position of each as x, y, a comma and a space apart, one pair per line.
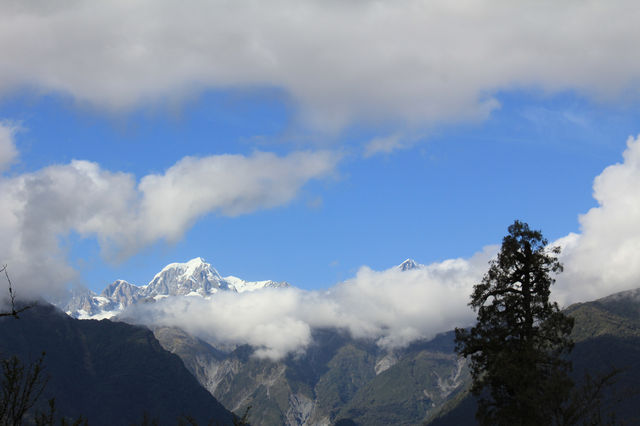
519, 345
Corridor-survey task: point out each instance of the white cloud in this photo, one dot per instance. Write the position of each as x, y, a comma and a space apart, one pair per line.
40, 208
393, 307
230, 184
413, 61
605, 257
385, 145
269, 320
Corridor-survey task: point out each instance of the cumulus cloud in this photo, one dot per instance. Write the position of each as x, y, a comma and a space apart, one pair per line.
605, 256
413, 61
393, 307
230, 184
42, 207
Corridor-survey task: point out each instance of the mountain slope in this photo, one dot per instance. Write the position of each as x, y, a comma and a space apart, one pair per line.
427, 375
337, 377
109, 372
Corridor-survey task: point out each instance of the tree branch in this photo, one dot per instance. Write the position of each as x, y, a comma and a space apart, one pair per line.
12, 298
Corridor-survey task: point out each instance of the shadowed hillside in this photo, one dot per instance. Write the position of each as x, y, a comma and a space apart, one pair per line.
109, 372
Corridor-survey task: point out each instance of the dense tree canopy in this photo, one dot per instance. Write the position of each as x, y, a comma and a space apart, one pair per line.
519, 344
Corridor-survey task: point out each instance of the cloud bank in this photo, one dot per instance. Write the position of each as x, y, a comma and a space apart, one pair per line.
43, 207
605, 256
412, 61
396, 307
393, 307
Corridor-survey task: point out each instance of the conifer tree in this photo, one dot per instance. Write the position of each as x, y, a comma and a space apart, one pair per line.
518, 348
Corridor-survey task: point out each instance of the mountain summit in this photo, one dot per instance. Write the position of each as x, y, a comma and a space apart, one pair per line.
196, 277
193, 278
408, 265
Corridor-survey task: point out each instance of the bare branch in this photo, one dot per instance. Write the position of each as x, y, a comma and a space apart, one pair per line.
12, 298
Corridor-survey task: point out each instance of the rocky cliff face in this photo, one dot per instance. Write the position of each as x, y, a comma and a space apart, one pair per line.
337, 377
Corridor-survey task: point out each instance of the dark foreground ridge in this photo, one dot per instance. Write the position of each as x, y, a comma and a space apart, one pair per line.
108, 372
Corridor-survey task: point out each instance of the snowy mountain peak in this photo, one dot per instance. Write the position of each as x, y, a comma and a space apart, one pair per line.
193, 278
408, 265
180, 279
118, 286
187, 269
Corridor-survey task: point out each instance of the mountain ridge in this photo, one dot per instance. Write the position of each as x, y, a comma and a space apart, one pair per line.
108, 372
192, 278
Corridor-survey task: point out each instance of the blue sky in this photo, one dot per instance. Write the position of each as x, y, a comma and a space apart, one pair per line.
452, 193
487, 129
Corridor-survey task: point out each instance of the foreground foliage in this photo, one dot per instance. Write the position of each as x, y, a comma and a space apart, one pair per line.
519, 345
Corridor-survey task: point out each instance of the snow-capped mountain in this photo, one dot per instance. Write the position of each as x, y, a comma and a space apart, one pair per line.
408, 265
121, 292
240, 285
196, 277
193, 278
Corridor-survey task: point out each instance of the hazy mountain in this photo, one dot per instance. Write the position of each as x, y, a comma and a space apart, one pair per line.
193, 278
108, 372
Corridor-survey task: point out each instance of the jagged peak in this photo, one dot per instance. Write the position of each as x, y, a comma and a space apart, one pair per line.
187, 268
118, 285
193, 263
408, 265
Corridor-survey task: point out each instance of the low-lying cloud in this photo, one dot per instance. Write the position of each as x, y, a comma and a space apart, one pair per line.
409, 61
43, 207
393, 307
396, 307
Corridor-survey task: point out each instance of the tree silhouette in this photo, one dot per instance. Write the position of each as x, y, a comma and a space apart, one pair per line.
21, 387
519, 344
12, 298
